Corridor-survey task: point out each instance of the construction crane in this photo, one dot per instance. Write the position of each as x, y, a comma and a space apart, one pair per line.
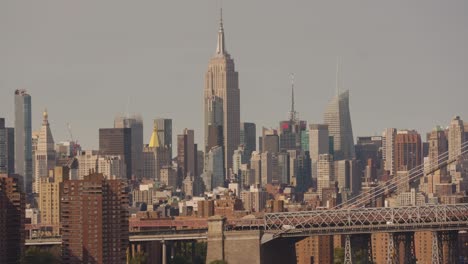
73, 144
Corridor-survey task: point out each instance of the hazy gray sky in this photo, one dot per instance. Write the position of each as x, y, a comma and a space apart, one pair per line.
405, 62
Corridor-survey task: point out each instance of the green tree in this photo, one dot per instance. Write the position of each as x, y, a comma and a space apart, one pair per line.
35, 255
338, 255
139, 258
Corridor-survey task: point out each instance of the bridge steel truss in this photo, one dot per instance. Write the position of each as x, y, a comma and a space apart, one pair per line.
368, 220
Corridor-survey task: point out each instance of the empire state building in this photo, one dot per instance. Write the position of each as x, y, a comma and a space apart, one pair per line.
222, 101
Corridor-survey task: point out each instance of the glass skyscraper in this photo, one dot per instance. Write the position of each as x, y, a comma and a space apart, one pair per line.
23, 138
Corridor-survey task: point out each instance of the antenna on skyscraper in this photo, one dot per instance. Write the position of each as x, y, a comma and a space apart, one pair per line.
292, 113
339, 80
127, 113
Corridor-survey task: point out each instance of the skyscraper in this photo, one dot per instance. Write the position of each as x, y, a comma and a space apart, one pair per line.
318, 144
325, 173
117, 141
94, 218
214, 172
186, 152
388, 149
163, 128
456, 137
49, 198
135, 123
44, 156
338, 119
12, 204
438, 144
408, 151
290, 130
7, 149
221, 83
248, 137
23, 138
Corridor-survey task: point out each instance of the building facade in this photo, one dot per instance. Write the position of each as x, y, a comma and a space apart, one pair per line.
12, 204
23, 138
338, 118
94, 218
117, 141
135, 123
222, 82
44, 155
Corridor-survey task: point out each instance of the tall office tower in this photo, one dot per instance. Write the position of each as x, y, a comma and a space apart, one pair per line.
23, 138
456, 137
238, 159
369, 148
348, 176
408, 151
325, 173
10, 133
290, 134
186, 160
117, 141
438, 144
112, 167
388, 149
49, 198
213, 176
213, 121
44, 156
135, 123
290, 130
169, 177
300, 170
268, 168
12, 204
163, 127
255, 199
256, 166
200, 157
87, 163
248, 137
94, 218
319, 143
283, 168
149, 163
338, 119
159, 148
222, 81
305, 140
5, 149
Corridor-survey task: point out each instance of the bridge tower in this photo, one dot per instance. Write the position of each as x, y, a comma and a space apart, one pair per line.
348, 255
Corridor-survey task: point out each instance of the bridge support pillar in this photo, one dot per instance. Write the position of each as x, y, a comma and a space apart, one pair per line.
348, 256
449, 246
436, 248
392, 249
164, 252
215, 247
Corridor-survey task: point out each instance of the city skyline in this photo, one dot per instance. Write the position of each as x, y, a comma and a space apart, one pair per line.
372, 86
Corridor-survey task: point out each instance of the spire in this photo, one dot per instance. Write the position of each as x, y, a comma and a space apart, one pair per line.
292, 113
45, 117
339, 79
220, 47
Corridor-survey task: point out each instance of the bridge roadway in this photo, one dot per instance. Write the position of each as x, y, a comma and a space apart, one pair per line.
323, 222
141, 236
367, 220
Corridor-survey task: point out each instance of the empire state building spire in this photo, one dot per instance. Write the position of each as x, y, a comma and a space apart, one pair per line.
220, 47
